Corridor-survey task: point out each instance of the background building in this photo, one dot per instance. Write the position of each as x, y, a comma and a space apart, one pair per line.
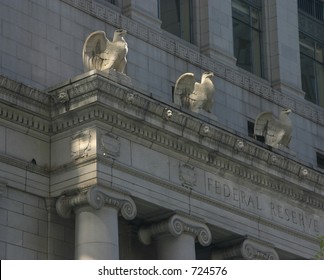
105, 165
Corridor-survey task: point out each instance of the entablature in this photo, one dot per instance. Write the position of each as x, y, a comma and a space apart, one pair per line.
192, 137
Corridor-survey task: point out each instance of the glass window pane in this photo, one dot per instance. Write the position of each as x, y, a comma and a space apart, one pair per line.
241, 11
170, 16
308, 77
306, 45
247, 36
185, 20
176, 17
242, 45
320, 83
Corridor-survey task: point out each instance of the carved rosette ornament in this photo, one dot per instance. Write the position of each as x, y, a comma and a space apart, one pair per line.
97, 197
176, 225
247, 250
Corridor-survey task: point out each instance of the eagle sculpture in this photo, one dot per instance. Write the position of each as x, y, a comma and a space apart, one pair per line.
193, 95
101, 54
275, 131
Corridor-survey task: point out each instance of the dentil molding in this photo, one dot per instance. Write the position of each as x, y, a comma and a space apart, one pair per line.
181, 133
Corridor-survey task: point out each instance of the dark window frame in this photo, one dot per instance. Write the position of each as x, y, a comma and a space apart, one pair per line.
181, 27
313, 91
253, 64
320, 160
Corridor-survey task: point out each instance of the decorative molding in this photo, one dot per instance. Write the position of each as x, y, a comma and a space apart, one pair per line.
167, 114
176, 225
248, 250
183, 135
22, 164
17, 116
33, 96
96, 197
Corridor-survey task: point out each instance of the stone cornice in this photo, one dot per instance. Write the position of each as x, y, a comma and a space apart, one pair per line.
96, 197
180, 49
25, 119
181, 134
28, 166
18, 94
176, 225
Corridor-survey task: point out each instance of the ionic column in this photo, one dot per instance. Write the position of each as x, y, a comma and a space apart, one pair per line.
175, 237
96, 222
248, 250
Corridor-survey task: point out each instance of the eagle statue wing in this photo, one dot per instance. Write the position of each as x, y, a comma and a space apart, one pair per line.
273, 130
94, 46
184, 87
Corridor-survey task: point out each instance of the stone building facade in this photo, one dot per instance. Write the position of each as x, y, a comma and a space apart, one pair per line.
104, 165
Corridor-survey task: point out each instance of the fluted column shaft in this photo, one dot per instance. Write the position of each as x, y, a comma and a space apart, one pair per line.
96, 229
175, 237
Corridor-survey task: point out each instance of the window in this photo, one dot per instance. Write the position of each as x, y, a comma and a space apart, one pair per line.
320, 160
176, 17
250, 127
315, 8
312, 69
247, 35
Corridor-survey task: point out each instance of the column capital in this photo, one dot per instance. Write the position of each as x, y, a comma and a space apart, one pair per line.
97, 197
249, 249
176, 225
